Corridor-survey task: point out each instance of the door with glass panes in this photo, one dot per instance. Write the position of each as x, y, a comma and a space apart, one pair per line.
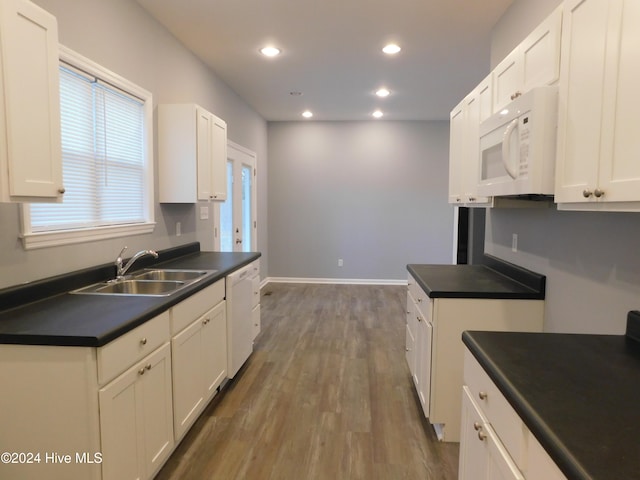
236, 224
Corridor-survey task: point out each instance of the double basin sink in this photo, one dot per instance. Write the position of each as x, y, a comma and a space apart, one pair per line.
148, 282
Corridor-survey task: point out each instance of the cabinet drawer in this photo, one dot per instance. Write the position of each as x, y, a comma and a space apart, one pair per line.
196, 305
120, 354
499, 413
255, 266
255, 288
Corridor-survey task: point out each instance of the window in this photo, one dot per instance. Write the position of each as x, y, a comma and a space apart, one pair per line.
106, 160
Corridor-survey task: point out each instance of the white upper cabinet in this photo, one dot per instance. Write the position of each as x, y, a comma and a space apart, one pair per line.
533, 63
464, 150
30, 151
192, 152
456, 154
598, 148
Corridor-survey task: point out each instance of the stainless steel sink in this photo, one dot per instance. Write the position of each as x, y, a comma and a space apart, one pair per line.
175, 275
150, 282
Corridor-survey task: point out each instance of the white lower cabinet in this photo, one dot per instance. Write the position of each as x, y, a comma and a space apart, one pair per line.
434, 349
136, 419
199, 355
419, 338
116, 411
495, 444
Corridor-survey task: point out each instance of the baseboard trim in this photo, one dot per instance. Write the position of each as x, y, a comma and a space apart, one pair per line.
334, 281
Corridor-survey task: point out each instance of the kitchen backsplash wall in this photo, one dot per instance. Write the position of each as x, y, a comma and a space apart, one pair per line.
371, 193
122, 37
591, 259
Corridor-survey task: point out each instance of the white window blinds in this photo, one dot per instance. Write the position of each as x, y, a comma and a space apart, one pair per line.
103, 151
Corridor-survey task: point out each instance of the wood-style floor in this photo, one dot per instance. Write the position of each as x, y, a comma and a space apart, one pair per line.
326, 394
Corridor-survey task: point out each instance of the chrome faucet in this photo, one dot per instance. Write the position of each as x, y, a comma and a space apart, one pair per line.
122, 270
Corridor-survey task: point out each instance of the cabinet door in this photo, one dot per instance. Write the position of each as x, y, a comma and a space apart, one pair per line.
473, 451
456, 154
120, 427
157, 409
619, 174
477, 108
30, 129
204, 152
500, 466
584, 49
423, 367
255, 320
188, 380
218, 159
214, 349
507, 79
412, 332
135, 419
540, 53
482, 455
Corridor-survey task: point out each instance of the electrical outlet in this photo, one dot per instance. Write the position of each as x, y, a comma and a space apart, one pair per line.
514, 242
340, 263
178, 229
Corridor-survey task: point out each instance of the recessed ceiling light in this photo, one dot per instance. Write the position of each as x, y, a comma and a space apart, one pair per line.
270, 51
307, 114
383, 92
377, 114
391, 49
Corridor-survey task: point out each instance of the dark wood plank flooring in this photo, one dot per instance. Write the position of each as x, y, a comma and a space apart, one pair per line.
326, 394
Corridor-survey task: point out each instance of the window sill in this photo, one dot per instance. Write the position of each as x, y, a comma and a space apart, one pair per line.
32, 241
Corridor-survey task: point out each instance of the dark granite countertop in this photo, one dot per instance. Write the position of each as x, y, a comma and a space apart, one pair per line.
578, 394
494, 278
55, 317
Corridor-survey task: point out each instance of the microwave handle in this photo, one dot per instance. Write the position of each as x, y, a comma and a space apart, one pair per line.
506, 148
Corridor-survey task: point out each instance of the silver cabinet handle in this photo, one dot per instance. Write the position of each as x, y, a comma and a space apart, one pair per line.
141, 371
148, 366
477, 426
419, 319
598, 193
587, 193
515, 95
481, 435
61, 190
482, 395
143, 341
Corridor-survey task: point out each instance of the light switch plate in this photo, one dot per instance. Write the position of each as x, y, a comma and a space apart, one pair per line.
204, 213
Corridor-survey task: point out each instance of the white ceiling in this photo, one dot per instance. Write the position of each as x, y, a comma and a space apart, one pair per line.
331, 52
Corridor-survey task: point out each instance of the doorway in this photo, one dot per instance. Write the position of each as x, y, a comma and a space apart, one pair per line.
235, 219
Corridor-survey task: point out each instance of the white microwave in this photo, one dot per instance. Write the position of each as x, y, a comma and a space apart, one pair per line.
518, 146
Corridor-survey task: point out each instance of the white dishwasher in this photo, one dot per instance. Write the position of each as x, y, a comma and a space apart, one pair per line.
240, 326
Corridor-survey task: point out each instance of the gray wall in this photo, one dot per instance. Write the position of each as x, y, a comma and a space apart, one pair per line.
591, 259
121, 36
372, 193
